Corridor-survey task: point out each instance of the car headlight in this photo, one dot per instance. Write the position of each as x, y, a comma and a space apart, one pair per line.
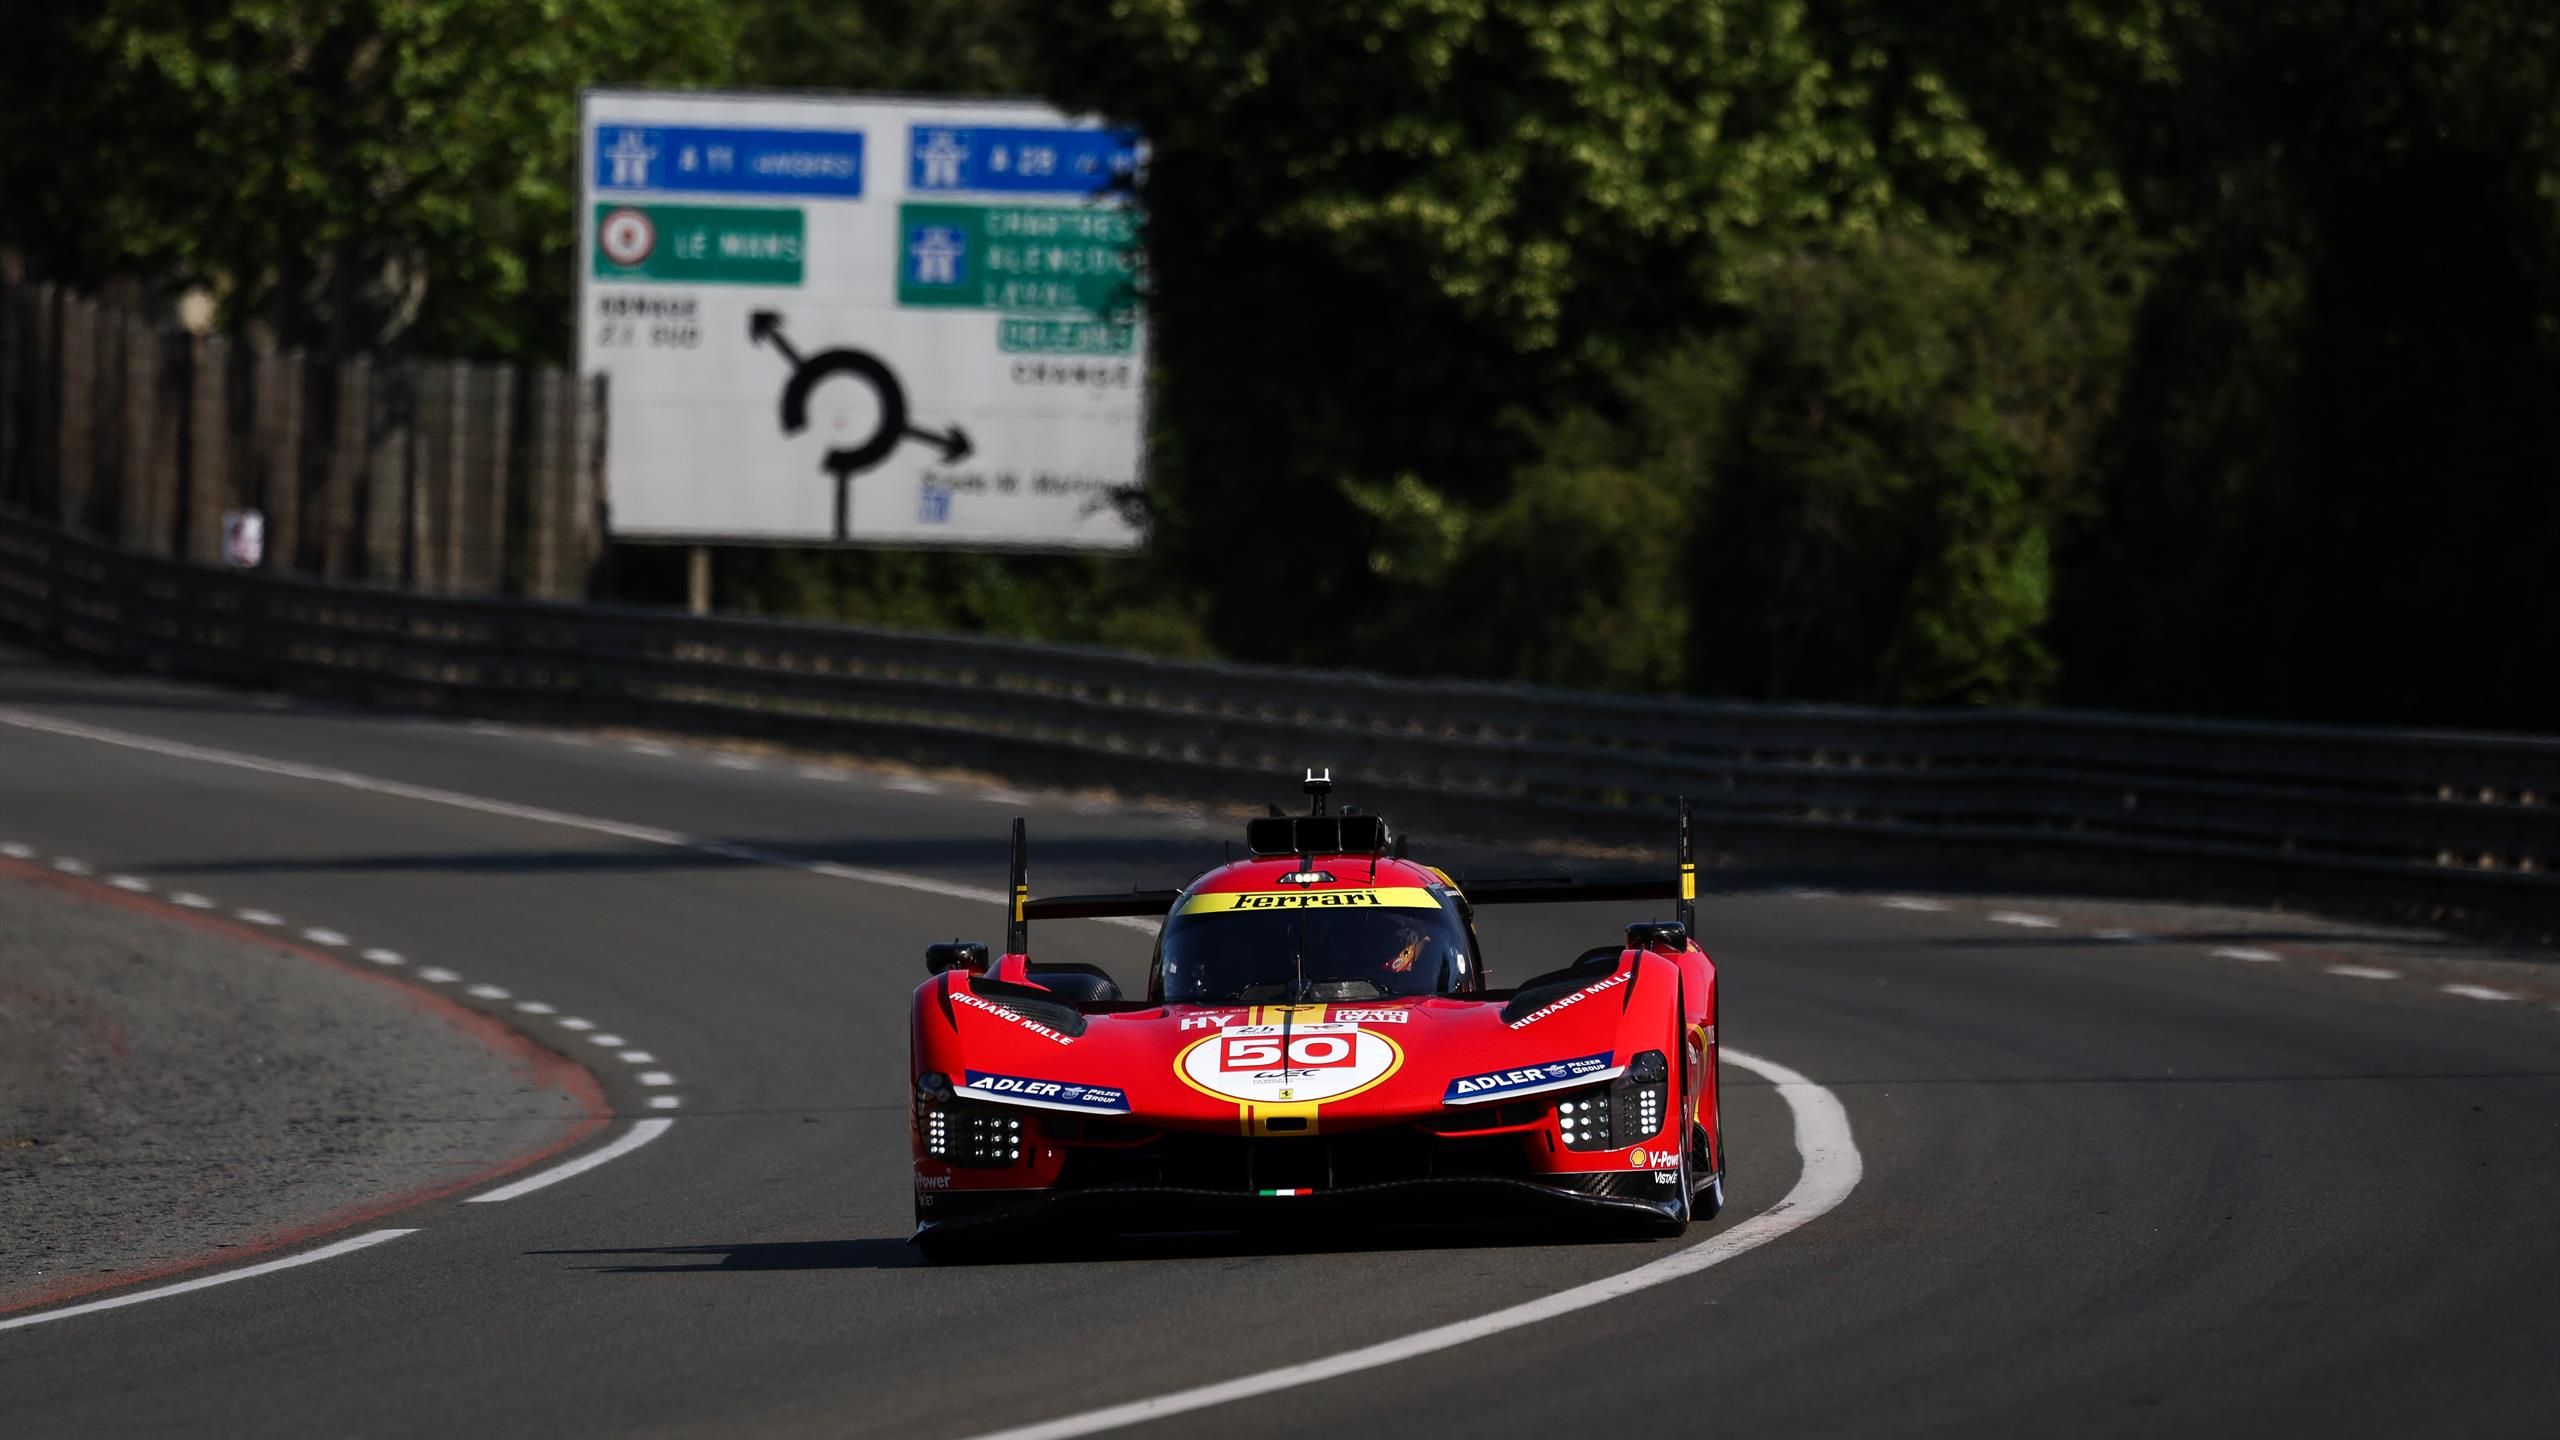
1627, 1111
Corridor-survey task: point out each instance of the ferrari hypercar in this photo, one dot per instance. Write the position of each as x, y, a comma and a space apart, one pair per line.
1318, 1032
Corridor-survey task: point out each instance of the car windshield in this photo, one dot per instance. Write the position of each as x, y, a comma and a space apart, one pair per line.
1316, 946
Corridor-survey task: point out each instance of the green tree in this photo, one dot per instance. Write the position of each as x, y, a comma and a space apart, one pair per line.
354, 172
1372, 228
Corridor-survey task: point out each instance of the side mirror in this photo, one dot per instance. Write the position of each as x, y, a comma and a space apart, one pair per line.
1658, 935
969, 955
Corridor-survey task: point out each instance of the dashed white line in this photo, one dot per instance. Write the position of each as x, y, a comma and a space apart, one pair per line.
384, 957
16, 851
2364, 972
642, 1132
425, 794
664, 1102
737, 762
572, 1022
1911, 902
130, 884
258, 917
650, 747
2246, 952
2123, 937
69, 866
318, 936
637, 1057
912, 786
2022, 917
325, 1252
437, 975
655, 1078
491, 992
610, 1042
2478, 992
1005, 797
1831, 1170
532, 1007
191, 900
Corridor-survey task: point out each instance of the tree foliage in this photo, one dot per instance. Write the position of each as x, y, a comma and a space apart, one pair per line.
353, 172
2126, 352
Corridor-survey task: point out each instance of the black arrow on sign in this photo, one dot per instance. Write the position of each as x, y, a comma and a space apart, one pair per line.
953, 443
766, 325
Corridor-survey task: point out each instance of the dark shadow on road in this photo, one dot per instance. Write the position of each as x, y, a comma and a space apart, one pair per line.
765, 1255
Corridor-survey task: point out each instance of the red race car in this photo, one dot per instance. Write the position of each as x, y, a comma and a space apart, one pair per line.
1318, 1031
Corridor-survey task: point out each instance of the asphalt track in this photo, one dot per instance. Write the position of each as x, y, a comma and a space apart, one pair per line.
2106, 1190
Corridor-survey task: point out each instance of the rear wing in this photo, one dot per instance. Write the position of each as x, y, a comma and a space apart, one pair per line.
1681, 887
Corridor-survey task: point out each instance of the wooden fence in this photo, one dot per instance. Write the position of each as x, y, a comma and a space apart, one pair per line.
443, 476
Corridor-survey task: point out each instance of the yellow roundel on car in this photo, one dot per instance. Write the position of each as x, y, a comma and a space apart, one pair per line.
1298, 1064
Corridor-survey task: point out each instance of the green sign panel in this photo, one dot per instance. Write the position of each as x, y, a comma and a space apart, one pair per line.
1037, 259
699, 244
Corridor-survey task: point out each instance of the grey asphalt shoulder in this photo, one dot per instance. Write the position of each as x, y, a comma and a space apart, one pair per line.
167, 1091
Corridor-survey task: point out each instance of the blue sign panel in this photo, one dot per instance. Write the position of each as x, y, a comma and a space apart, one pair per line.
823, 163
1049, 160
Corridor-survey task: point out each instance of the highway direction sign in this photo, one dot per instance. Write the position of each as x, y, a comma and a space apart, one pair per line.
861, 321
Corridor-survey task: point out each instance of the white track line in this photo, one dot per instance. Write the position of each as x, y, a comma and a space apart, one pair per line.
325, 1252
572, 1022
2021, 917
2124, 937
69, 866
610, 1042
16, 851
428, 794
258, 917
650, 747
664, 1102
2478, 992
1907, 902
318, 936
1832, 1166
437, 975
191, 900
491, 992
737, 762
2364, 972
533, 1007
2245, 952
642, 1132
638, 1057
130, 884
384, 957
654, 1078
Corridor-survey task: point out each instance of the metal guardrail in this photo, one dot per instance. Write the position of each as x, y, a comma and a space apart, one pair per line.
2456, 814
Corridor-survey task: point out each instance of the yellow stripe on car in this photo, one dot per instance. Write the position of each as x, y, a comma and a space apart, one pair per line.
1396, 898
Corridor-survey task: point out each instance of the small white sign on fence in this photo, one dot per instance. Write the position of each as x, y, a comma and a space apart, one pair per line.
244, 538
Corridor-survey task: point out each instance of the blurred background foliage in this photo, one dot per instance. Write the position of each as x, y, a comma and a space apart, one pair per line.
2140, 353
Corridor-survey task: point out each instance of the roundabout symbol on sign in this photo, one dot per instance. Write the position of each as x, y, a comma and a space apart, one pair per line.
627, 237
891, 430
